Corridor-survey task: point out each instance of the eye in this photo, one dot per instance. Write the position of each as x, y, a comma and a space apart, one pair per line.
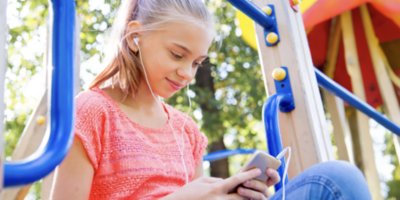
177, 56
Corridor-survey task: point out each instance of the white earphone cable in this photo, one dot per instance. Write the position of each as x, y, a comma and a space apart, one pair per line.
181, 148
279, 156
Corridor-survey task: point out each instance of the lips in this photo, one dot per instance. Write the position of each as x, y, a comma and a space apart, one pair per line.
175, 85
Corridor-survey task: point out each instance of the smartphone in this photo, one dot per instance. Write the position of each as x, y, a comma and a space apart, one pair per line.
262, 161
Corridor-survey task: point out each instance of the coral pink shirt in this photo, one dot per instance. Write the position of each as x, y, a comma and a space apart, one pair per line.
131, 161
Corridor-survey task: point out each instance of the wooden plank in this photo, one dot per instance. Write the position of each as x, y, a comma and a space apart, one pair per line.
333, 48
322, 138
391, 105
29, 141
304, 129
353, 68
335, 105
341, 129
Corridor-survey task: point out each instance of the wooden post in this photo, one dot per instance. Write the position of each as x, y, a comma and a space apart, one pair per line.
391, 106
3, 67
29, 141
335, 105
353, 68
304, 129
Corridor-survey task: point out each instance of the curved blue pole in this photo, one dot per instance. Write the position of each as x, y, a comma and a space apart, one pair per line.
62, 103
271, 123
217, 155
350, 98
253, 12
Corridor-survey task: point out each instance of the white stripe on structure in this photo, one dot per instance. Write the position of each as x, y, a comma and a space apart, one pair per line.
3, 67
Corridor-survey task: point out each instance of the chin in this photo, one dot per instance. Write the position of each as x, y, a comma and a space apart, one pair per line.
167, 95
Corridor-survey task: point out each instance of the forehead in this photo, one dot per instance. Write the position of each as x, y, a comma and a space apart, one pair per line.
196, 37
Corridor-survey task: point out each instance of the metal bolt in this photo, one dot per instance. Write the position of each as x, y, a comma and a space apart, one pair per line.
41, 120
267, 10
272, 38
279, 74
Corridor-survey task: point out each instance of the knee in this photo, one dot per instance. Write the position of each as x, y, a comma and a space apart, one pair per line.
342, 174
337, 170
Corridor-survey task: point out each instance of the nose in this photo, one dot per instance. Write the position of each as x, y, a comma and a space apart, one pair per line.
186, 72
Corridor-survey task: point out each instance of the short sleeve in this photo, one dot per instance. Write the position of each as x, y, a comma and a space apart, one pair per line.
198, 141
88, 125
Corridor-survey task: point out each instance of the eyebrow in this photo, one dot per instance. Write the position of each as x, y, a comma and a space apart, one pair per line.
188, 51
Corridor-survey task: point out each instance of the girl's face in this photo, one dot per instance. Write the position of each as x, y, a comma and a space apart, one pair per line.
172, 55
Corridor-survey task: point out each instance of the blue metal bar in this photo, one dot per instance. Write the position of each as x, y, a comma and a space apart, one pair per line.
251, 10
350, 98
271, 123
217, 155
62, 103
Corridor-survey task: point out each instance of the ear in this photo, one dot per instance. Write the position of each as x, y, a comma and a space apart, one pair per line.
132, 31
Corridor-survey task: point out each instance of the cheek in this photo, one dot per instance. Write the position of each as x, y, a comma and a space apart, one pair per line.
194, 72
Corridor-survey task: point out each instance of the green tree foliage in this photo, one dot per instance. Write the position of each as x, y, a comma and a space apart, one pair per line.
23, 62
394, 184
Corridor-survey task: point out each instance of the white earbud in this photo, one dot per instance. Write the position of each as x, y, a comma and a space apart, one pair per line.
136, 41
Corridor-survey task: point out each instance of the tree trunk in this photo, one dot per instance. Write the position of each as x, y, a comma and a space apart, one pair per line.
211, 117
219, 168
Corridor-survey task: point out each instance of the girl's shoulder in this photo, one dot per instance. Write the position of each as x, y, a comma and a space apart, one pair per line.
92, 99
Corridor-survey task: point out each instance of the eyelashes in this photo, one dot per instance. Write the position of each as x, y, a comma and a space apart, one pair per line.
179, 57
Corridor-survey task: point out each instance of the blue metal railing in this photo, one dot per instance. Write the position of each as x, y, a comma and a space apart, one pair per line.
272, 133
251, 10
267, 21
62, 103
283, 99
330, 85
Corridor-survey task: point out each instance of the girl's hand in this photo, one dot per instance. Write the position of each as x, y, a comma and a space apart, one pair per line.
254, 189
214, 188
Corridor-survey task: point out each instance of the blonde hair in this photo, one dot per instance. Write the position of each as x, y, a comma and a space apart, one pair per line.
124, 68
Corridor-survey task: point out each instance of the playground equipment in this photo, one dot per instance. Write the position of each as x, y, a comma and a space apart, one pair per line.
282, 44
292, 27
62, 96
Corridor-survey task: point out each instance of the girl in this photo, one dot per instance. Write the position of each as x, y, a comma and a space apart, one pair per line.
131, 145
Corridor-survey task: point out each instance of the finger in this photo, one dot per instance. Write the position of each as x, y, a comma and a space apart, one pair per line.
273, 177
235, 196
251, 194
208, 179
233, 181
257, 186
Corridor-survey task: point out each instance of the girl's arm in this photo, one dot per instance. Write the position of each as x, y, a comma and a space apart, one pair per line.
74, 176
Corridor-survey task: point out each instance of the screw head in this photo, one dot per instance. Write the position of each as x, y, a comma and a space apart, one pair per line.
267, 10
278, 74
41, 120
272, 38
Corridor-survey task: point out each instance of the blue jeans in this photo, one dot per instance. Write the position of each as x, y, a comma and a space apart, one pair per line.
329, 180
